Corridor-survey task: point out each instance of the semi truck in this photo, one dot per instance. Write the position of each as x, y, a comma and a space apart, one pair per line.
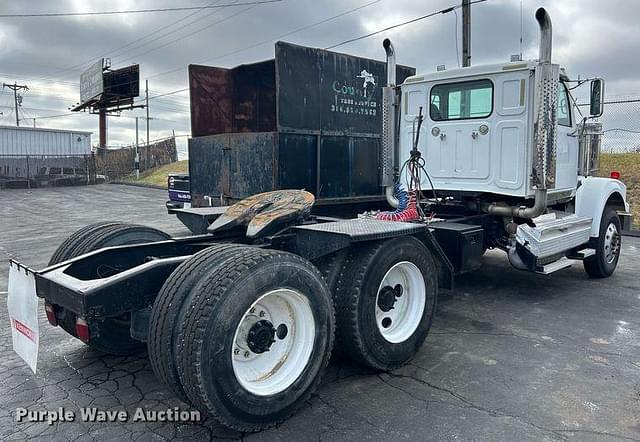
240, 319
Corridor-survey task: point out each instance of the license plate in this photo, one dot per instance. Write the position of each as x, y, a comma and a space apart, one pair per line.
22, 304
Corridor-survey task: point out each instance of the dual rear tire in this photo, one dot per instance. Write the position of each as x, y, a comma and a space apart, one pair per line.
109, 335
244, 333
385, 298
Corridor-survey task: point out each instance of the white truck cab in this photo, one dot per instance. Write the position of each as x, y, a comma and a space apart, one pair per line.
507, 141
479, 125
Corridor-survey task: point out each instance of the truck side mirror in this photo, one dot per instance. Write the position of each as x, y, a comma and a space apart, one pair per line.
597, 97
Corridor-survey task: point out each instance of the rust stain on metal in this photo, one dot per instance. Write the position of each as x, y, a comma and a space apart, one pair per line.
238, 100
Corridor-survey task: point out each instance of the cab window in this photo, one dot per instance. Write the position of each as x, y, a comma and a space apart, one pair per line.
564, 106
464, 100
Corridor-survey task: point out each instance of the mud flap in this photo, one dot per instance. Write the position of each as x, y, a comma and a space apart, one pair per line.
22, 304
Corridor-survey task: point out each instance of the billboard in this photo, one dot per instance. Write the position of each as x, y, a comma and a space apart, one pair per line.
91, 82
121, 84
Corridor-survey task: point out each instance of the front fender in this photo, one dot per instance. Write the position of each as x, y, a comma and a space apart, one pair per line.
592, 196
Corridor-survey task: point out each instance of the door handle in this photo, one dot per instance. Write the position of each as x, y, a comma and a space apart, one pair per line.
442, 136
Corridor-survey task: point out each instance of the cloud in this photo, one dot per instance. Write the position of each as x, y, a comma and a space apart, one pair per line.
591, 38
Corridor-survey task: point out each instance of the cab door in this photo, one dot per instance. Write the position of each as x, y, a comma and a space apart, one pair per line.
567, 143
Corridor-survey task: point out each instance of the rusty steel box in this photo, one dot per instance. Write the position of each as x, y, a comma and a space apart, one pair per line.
307, 119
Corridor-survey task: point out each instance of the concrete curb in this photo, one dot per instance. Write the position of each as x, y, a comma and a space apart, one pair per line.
148, 186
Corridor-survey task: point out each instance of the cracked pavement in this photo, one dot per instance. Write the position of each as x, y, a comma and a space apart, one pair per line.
511, 355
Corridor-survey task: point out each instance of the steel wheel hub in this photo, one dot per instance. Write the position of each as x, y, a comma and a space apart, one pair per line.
400, 302
261, 336
273, 342
611, 243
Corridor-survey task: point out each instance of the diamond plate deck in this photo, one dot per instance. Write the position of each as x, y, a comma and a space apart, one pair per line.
362, 229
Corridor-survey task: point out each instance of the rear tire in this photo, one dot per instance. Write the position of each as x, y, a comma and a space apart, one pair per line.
330, 267
114, 335
169, 309
385, 301
257, 335
607, 245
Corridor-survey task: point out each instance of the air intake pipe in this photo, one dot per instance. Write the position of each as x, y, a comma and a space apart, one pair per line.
389, 143
547, 78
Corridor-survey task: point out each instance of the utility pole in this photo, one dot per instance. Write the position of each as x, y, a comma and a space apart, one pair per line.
137, 159
16, 87
466, 33
146, 82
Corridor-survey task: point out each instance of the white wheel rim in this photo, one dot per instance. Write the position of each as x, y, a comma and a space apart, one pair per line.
611, 243
272, 371
399, 323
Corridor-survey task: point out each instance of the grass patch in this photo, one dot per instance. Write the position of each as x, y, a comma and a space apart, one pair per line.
158, 175
628, 164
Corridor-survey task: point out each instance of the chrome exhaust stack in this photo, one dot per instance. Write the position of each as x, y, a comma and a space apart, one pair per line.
547, 77
546, 34
546, 124
391, 62
389, 152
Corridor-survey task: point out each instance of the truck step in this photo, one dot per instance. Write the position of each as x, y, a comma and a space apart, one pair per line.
581, 255
560, 264
553, 236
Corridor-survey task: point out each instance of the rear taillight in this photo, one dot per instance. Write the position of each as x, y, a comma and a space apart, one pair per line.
51, 314
615, 175
82, 330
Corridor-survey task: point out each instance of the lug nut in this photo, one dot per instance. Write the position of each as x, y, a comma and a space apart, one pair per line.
246, 354
236, 351
261, 313
253, 310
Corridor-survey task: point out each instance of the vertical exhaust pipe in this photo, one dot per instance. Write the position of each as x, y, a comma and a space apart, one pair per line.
547, 79
546, 124
391, 62
546, 44
389, 143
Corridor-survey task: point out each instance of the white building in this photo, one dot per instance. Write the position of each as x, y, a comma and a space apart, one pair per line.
27, 152
21, 141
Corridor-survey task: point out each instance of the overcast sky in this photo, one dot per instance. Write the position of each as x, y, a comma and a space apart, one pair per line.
591, 38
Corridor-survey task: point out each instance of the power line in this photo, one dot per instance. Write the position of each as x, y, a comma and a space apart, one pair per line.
165, 34
635, 100
136, 11
169, 93
222, 20
270, 40
77, 67
52, 116
397, 25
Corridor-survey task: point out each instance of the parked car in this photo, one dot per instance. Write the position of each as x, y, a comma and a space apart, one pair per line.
61, 176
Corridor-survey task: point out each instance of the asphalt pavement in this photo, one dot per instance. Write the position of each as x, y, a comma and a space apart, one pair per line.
511, 355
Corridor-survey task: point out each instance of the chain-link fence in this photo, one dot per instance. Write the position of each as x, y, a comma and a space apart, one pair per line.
117, 163
30, 171
620, 124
